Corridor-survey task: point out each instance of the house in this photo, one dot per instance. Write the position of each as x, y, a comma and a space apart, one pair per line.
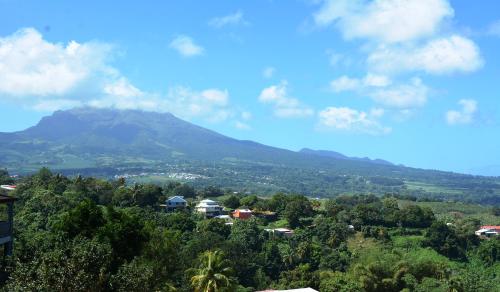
242, 214
227, 219
6, 238
283, 232
208, 208
175, 203
8, 187
488, 230
280, 232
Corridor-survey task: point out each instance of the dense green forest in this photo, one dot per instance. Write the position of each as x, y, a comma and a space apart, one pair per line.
88, 234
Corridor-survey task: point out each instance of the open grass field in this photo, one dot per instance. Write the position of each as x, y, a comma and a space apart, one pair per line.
430, 188
407, 241
358, 243
451, 211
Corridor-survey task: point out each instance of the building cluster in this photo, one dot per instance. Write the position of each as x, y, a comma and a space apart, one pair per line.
212, 209
173, 175
208, 208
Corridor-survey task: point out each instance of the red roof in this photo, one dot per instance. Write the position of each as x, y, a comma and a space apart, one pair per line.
490, 227
243, 211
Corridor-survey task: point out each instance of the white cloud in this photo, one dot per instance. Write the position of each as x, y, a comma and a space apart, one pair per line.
351, 120
268, 72
216, 96
242, 126
210, 104
403, 35
186, 46
346, 83
465, 116
31, 66
49, 76
146, 102
388, 21
381, 89
439, 56
284, 106
403, 96
122, 88
231, 19
374, 80
277, 94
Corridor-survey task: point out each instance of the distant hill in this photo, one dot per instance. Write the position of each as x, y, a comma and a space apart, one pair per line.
159, 146
337, 155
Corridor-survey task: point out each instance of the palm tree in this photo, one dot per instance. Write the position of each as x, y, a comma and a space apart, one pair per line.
213, 273
288, 256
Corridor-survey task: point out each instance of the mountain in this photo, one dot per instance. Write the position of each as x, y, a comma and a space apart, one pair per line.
104, 134
337, 155
159, 146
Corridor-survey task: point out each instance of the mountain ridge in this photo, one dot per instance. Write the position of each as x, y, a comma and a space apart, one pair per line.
338, 155
111, 142
114, 130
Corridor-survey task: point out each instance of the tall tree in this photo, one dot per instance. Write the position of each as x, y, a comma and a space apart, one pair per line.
298, 207
213, 273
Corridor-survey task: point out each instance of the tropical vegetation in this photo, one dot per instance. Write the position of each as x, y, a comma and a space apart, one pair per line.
87, 234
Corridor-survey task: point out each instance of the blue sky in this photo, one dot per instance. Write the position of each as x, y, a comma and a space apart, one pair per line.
411, 81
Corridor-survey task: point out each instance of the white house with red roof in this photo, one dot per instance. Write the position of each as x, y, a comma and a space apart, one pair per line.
488, 230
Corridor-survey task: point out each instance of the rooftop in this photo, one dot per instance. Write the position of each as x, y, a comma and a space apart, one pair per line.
282, 230
490, 227
207, 203
8, 187
243, 210
223, 217
178, 198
